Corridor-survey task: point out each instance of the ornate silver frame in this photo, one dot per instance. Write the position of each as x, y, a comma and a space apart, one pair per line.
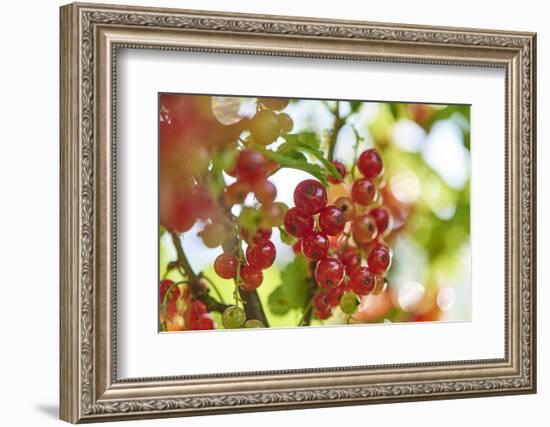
90, 36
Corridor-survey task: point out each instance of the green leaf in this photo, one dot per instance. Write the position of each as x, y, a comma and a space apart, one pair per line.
355, 106
291, 161
292, 292
278, 301
308, 142
295, 281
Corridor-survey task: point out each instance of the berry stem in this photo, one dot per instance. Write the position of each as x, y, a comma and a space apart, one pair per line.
358, 140
209, 280
308, 308
338, 123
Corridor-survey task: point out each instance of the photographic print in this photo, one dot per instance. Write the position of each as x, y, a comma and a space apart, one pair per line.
279, 212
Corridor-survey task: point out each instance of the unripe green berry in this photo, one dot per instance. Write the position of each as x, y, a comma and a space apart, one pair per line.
349, 303
233, 317
254, 323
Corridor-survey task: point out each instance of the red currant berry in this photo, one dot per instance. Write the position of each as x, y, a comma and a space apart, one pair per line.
174, 210
341, 170
334, 295
370, 163
332, 220
310, 196
363, 192
323, 315
251, 278
172, 299
320, 302
198, 308
329, 273
379, 259
297, 246
363, 229
260, 234
225, 266
250, 165
163, 288
361, 281
205, 323
382, 218
350, 258
346, 206
261, 255
265, 191
315, 245
297, 222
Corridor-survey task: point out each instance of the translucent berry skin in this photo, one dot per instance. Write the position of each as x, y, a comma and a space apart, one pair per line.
362, 281
329, 273
346, 206
315, 245
320, 302
332, 220
297, 246
382, 218
379, 259
251, 278
261, 255
265, 191
363, 229
225, 266
250, 165
310, 196
363, 192
350, 258
370, 163
297, 222
341, 170
334, 295
322, 315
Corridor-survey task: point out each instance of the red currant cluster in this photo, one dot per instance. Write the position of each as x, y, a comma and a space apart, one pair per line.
195, 314
344, 239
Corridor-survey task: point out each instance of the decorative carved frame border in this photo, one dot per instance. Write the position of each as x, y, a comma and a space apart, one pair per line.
90, 36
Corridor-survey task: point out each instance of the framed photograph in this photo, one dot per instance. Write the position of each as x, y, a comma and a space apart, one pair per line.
266, 212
